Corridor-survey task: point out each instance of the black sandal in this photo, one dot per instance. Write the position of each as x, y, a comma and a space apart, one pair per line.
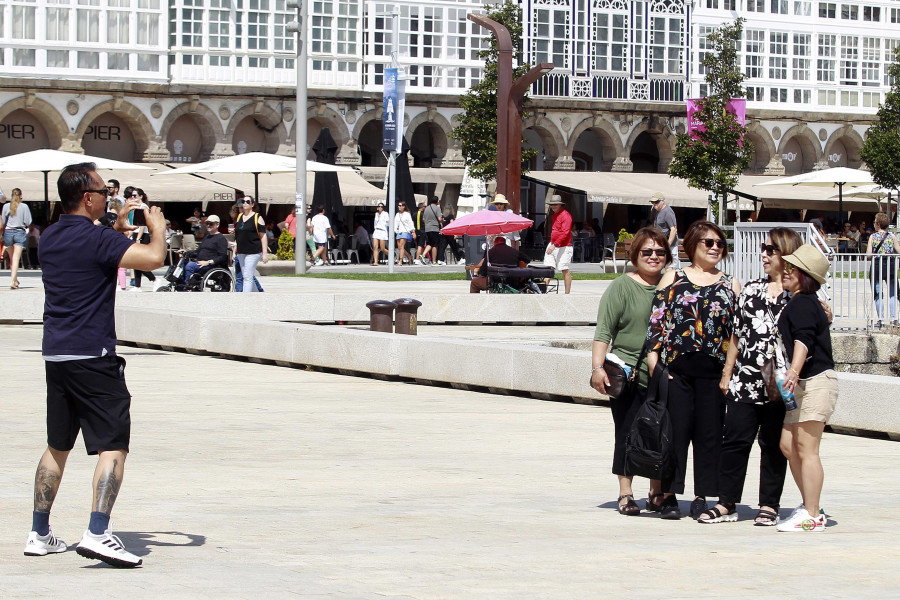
652, 506
766, 518
630, 508
714, 515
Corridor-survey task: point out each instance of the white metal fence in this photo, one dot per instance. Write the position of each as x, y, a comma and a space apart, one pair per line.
849, 287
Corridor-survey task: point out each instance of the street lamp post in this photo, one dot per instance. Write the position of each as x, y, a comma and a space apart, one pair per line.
300, 200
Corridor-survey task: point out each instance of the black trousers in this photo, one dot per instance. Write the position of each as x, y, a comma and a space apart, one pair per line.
743, 423
454, 247
624, 409
696, 410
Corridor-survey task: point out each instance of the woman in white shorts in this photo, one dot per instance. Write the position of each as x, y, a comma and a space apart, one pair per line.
806, 340
380, 233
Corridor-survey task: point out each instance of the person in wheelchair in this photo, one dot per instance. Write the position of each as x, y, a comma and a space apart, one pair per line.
500, 255
213, 251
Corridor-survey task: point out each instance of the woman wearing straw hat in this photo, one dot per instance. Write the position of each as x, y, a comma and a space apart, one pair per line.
804, 333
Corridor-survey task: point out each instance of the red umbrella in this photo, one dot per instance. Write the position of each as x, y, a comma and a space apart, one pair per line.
487, 222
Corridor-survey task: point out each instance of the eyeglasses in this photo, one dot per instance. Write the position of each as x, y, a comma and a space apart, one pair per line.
245, 201
710, 242
135, 195
769, 249
648, 252
212, 223
789, 268
110, 187
401, 206
101, 191
655, 201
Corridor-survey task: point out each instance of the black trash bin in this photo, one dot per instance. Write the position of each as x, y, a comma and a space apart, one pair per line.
475, 246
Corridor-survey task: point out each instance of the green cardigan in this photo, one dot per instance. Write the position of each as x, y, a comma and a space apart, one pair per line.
623, 318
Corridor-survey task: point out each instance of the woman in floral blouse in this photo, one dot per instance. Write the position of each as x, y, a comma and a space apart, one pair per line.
750, 412
690, 329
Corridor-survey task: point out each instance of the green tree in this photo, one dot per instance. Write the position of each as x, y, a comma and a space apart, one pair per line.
881, 150
716, 157
477, 129
285, 249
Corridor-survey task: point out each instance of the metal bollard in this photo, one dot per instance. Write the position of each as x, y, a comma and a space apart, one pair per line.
407, 320
381, 315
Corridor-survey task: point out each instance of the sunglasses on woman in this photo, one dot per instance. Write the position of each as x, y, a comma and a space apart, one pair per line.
648, 252
769, 249
789, 268
710, 242
248, 201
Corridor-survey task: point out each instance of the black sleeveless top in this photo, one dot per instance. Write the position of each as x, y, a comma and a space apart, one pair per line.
246, 234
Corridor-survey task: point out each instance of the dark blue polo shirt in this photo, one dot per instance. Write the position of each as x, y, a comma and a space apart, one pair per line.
79, 262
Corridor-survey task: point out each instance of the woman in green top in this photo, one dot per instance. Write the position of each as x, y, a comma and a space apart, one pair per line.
621, 329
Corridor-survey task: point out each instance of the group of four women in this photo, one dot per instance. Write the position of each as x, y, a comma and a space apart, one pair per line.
719, 344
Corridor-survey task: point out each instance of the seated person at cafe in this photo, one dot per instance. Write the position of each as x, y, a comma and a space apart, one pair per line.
213, 250
500, 255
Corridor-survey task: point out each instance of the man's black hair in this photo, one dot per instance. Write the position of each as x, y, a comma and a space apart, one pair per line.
320, 208
115, 182
434, 200
72, 183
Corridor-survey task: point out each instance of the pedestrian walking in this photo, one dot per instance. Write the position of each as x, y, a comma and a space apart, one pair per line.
86, 388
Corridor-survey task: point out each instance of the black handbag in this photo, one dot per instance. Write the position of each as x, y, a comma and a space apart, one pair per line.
621, 384
648, 446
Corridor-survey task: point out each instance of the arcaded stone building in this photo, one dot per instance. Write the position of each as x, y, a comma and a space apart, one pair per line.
189, 80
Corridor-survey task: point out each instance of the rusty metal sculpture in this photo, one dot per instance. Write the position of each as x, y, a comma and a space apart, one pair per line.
510, 96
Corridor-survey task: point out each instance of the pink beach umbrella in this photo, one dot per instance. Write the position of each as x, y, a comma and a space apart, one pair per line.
487, 222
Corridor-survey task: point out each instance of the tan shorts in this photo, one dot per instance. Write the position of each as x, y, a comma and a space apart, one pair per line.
816, 398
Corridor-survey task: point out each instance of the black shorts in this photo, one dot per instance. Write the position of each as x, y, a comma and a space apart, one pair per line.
88, 395
420, 238
433, 237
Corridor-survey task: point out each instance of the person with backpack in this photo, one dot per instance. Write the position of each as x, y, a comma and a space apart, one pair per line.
690, 328
882, 245
250, 236
621, 328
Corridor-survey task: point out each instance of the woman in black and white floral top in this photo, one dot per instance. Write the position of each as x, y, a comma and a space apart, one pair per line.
749, 412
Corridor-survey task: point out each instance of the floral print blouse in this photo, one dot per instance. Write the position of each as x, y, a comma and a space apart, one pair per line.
755, 325
687, 317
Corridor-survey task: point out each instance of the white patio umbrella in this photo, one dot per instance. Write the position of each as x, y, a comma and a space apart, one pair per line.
44, 161
838, 176
876, 192
251, 162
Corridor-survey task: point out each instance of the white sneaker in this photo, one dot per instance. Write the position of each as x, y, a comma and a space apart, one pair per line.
802, 521
417, 262
441, 263
42, 545
319, 262
108, 548
135, 289
160, 283
461, 261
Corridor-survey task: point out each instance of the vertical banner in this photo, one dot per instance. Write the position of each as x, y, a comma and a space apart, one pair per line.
736, 106
394, 105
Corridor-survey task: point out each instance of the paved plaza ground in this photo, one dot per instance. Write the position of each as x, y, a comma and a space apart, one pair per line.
256, 481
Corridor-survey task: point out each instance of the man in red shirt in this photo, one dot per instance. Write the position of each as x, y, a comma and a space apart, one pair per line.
559, 250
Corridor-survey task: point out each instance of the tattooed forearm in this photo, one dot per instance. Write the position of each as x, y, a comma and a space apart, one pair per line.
46, 483
108, 488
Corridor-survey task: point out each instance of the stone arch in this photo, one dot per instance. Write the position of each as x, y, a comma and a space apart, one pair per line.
138, 124
53, 122
763, 148
209, 125
662, 137
605, 132
438, 128
367, 142
551, 137
266, 118
325, 116
851, 141
810, 148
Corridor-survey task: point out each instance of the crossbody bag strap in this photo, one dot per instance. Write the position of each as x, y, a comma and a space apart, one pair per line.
634, 372
881, 243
